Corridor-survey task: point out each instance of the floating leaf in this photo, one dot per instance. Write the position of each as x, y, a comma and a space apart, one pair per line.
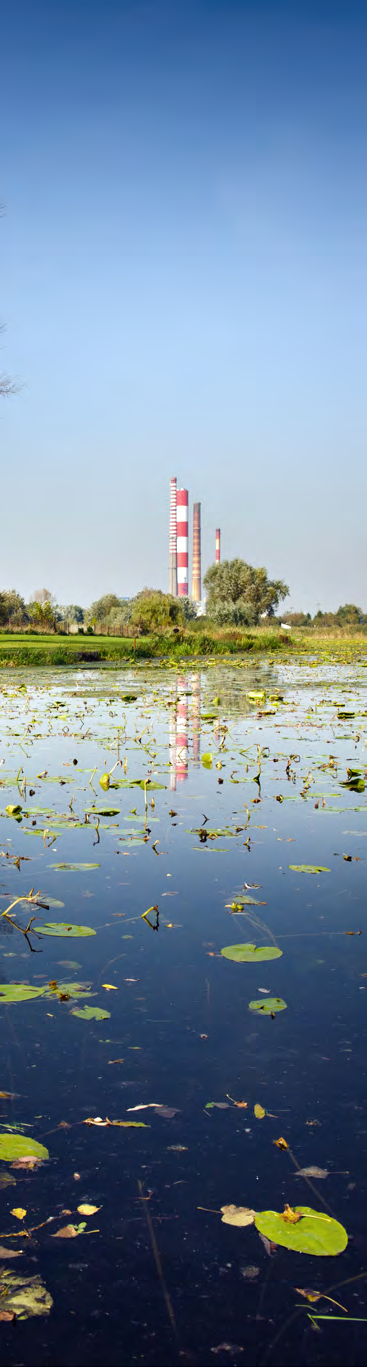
259, 1111
69, 1231
23, 1297
237, 1215
20, 1146
104, 811
104, 781
88, 1013
19, 1212
207, 760
14, 811
269, 1007
73, 868
248, 954
314, 1232
308, 868
19, 992
88, 1210
62, 928
9, 1253
312, 1171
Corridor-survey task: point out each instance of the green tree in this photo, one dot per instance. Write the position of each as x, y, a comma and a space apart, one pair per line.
238, 593
13, 611
153, 610
350, 615
109, 614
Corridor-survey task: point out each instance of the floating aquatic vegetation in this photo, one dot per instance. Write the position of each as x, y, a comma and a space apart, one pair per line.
61, 928
304, 1230
247, 954
20, 1146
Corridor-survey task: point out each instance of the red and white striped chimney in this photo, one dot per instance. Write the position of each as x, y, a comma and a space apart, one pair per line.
217, 546
182, 543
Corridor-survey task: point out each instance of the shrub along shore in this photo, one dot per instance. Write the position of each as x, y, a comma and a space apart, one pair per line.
21, 650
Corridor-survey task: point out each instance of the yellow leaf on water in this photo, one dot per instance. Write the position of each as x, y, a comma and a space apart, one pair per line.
88, 1210
259, 1111
281, 1143
109, 987
237, 1215
18, 1212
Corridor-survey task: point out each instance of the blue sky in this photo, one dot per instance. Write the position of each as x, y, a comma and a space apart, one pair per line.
183, 282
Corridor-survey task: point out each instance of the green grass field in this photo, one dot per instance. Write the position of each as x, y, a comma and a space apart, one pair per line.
22, 650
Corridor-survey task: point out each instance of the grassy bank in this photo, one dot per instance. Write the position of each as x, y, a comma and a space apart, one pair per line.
23, 650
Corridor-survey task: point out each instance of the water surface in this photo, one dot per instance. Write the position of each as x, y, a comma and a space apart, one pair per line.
156, 1277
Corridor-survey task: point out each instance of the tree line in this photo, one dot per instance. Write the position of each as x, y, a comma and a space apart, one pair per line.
237, 595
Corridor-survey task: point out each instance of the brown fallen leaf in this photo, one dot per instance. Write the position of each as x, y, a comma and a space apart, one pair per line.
76, 1176
310, 1295
237, 1215
7, 1315
312, 1171
116, 1060
86, 1210
9, 1253
67, 1232
28, 1163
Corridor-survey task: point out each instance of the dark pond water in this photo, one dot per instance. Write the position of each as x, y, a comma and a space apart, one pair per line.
155, 1276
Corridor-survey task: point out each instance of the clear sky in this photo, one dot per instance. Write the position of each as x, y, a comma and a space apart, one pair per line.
183, 282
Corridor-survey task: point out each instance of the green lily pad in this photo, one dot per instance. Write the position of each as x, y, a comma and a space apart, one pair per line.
63, 928
76, 990
19, 992
308, 868
247, 954
269, 1006
88, 1013
14, 811
207, 760
20, 1146
73, 868
314, 1233
128, 697
103, 811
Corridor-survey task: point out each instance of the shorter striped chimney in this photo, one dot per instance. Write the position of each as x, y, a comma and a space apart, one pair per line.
182, 543
217, 546
196, 554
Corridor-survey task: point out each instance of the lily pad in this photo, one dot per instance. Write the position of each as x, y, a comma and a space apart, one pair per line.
14, 811
308, 868
73, 868
314, 1233
88, 1013
62, 928
19, 992
20, 1146
104, 811
268, 1007
247, 954
207, 760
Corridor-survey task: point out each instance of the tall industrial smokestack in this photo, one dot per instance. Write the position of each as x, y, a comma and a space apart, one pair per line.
217, 546
173, 539
182, 543
196, 554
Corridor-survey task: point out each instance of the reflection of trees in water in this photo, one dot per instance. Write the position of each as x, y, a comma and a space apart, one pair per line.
231, 685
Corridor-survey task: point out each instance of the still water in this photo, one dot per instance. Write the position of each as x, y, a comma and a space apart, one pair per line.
246, 787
